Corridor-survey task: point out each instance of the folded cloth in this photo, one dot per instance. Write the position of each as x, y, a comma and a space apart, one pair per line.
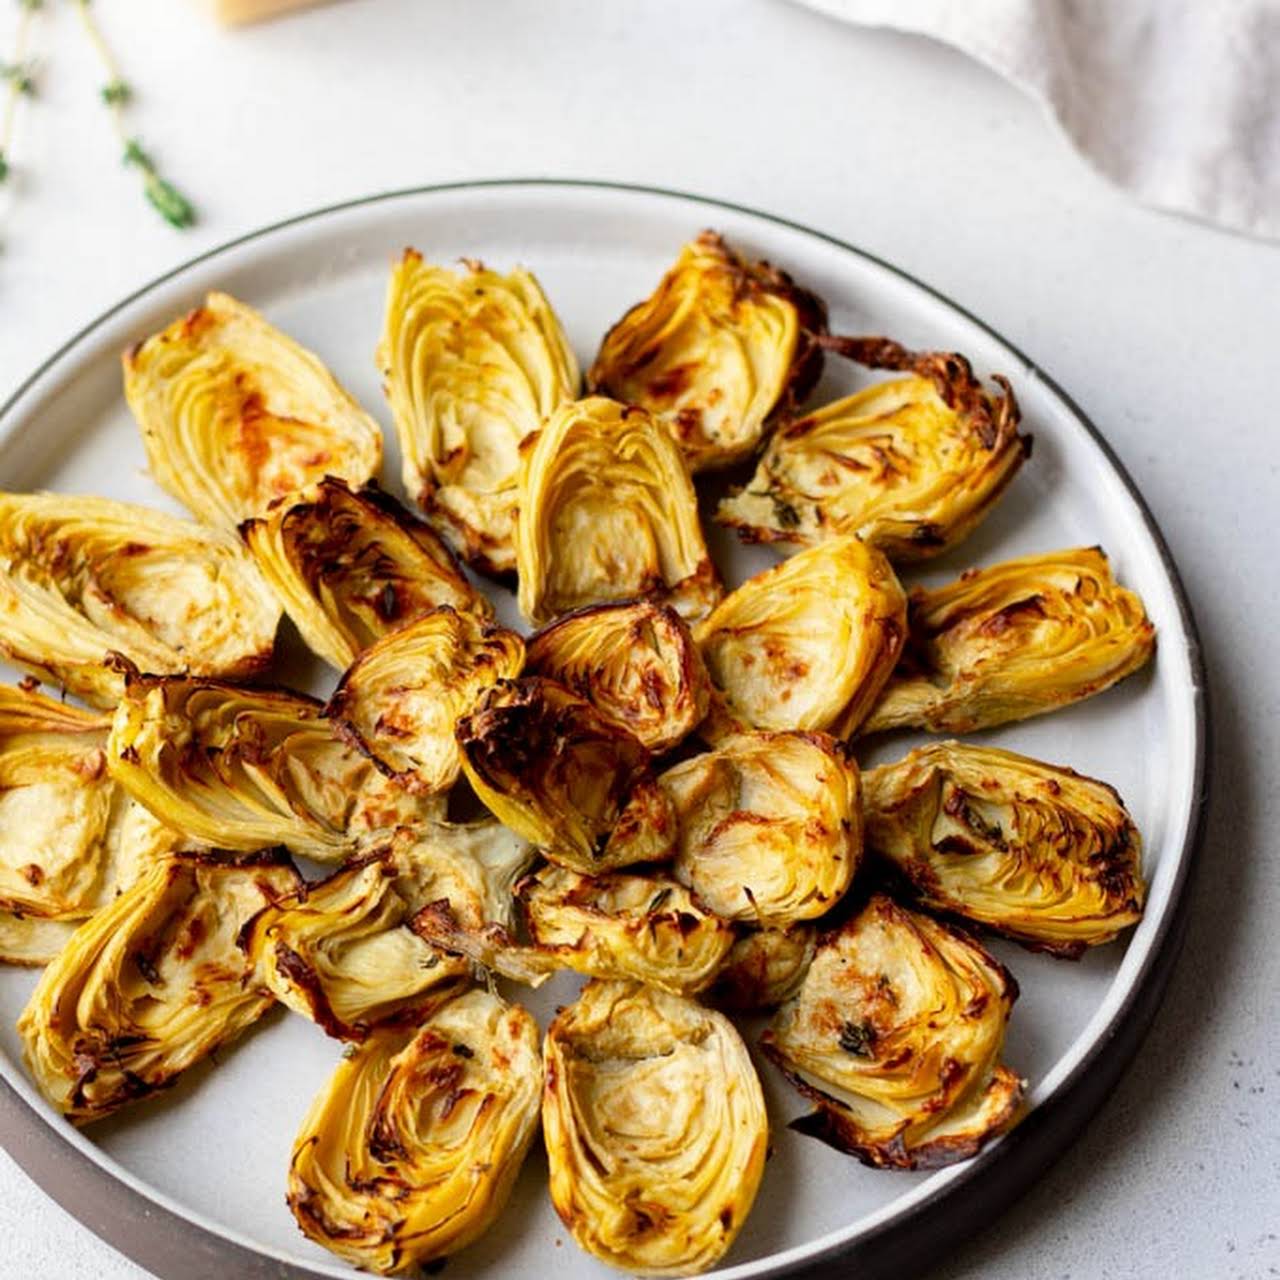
1177, 101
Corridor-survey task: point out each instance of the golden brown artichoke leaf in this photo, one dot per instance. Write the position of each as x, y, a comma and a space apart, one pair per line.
807, 644
655, 1127
764, 968
234, 414
150, 984
409, 1153
402, 697
578, 788
770, 826
721, 348
350, 566
911, 465
896, 1034
472, 361
1014, 640
84, 577
608, 512
1034, 851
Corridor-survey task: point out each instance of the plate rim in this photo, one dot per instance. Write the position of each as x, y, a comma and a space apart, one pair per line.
172, 1243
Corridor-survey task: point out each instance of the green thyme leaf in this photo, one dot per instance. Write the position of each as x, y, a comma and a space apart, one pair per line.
172, 205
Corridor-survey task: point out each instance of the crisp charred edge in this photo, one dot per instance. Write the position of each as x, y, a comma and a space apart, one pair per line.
442, 522
136, 679
731, 994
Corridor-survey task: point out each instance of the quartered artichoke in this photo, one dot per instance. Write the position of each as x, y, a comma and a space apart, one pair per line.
351, 566
770, 826
552, 768
896, 1034
717, 351
151, 984
655, 1128
608, 512
473, 361
84, 577
234, 414
410, 1151
342, 953
764, 968
807, 644
244, 769
1012, 641
635, 662
1030, 850
910, 465
400, 699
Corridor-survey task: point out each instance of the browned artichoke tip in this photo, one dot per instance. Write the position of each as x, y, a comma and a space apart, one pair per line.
764, 968
635, 662
578, 788
911, 465
720, 350
896, 1034
1014, 640
350, 566
1033, 851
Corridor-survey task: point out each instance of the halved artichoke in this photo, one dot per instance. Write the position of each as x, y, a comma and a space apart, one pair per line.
235, 415
770, 825
896, 1034
351, 566
244, 769
719, 349
401, 698
655, 1128
84, 577
911, 465
1014, 640
608, 512
342, 953
635, 662
1031, 850
151, 984
764, 968
473, 361
807, 644
410, 1151
552, 768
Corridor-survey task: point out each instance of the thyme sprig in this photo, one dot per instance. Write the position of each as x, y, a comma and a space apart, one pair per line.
19, 80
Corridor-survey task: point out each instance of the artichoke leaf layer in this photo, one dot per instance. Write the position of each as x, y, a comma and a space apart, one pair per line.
764, 968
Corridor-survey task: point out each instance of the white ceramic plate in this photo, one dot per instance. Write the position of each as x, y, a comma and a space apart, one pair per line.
214, 1151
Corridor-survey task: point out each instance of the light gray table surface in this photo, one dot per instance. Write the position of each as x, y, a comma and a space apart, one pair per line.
1166, 332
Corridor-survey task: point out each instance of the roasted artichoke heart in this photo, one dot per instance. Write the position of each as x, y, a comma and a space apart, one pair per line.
410, 1151
234, 414
84, 577
608, 512
402, 697
350, 566
635, 662
655, 1128
719, 347
896, 1034
910, 465
1012, 641
764, 968
770, 825
149, 985
242, 768
552, 768
473, 361
807, 644
616, 925
1030, 850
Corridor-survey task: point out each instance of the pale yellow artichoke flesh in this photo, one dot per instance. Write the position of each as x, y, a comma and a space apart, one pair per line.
655, 1128
410, 1151
896, 1034
32, 941
764, 968
473, 361
150, 984
84, 577
235, 415
608, 512
1014, 640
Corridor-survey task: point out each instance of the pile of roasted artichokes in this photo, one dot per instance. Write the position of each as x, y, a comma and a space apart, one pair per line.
675, 806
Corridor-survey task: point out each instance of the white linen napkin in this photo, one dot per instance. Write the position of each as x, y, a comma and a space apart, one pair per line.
1177, 101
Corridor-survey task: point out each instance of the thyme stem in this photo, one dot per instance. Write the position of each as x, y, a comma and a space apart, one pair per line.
17, 82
